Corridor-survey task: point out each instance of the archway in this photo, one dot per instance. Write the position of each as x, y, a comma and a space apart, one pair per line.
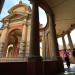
13, 43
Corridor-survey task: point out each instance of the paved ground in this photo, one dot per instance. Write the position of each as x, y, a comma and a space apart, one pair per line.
70, 71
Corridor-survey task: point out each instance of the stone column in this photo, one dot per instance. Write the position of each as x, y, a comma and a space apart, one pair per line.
23, 41
44, 46
46, 41
70, 41
64, 44
3, 39
50, 51
34, 65
54, 45
34, 35
28, 40
53, 39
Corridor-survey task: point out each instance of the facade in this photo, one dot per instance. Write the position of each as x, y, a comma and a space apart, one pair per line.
15, 34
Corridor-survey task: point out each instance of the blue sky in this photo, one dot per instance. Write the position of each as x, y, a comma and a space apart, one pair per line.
10, 3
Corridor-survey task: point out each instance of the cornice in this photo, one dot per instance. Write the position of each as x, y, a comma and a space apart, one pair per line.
10, 16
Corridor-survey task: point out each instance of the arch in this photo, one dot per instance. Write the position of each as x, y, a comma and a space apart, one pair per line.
9, 50
13, 35
48, 10
43, 4
18, 27
51, 20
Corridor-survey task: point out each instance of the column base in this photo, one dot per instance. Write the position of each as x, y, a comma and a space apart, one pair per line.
60, 65
50, 59
1, 54
34, 58
34, 66
44, 67
21, 55
52, 67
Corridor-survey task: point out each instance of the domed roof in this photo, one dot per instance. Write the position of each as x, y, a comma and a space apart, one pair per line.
21, 7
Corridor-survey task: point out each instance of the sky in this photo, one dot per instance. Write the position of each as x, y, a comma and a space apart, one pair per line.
10, 3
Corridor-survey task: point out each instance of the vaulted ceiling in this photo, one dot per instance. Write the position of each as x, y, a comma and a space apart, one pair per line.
64, 11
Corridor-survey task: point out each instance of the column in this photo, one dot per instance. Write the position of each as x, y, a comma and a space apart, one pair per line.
23, 41
54, 46
53, 38
44, 45
28, 40
64, 44
46, 41
34, 65
3, 39
34, 35
70, 41
50, 51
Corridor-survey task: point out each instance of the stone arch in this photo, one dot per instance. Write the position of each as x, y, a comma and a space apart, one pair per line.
50, 24
14, 36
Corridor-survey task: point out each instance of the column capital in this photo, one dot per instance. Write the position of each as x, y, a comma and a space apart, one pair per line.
6, 23
32, 1
24, 24
68, 33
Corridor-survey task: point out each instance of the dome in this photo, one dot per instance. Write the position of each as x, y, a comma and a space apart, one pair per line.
21, 7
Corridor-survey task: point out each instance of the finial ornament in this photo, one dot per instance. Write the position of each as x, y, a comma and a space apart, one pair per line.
20, 2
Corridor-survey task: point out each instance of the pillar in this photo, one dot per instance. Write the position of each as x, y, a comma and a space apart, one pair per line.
44, 45
34, 35
28, 40
53, 39
64, 47
3, 39
34, 65
70, 41
64, 44
46, 41
54, 46
50, 51
23, 41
